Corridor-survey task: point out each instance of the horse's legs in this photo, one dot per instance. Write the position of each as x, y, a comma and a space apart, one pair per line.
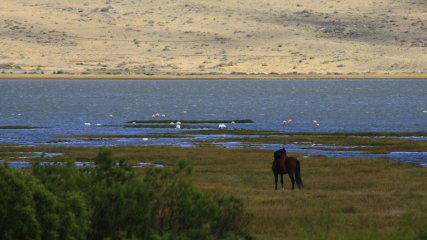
281, 181
275, 181
291, 176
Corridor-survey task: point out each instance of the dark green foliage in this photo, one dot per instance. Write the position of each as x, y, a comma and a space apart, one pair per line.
118, 198
149, 125
28, 210
192, 121
19, 127
18, 216
110, 201
230, 216
68, 184
181, 212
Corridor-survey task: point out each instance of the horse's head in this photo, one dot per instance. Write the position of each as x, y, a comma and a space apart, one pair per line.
283, 150
279, 153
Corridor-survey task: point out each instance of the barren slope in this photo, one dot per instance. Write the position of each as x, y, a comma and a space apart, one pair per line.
221, 36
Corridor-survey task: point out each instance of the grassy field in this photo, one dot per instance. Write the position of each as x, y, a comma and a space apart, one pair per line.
351, 198
369, 143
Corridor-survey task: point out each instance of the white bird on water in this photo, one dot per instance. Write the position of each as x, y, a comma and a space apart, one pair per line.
222, 126
157, 115
316, 123
286, 122
87, 124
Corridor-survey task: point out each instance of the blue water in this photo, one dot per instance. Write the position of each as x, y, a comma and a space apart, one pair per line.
338, 105
419, 158
66, 107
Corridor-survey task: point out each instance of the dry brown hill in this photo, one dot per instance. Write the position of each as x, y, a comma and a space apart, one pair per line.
221, 36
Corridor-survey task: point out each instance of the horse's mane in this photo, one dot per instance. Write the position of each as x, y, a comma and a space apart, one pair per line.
278, 153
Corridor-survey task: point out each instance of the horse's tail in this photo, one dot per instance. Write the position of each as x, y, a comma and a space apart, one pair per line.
298, 175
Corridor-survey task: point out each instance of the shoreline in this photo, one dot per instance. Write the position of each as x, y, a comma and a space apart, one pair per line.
208, 76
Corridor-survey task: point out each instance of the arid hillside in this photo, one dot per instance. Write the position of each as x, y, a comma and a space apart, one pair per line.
213, 36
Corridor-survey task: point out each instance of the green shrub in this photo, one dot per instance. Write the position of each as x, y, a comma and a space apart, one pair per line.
28, 210
110, 201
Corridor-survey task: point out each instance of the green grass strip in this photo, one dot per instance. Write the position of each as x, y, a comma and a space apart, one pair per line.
192, 121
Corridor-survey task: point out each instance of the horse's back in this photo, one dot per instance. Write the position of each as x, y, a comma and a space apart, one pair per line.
290, 164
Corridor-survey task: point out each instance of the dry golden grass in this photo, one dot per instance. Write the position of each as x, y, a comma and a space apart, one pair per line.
234, 36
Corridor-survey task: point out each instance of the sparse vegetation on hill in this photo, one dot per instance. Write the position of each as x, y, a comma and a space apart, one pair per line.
212, 37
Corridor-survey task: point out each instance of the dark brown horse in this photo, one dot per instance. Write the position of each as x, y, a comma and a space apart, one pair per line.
282, 164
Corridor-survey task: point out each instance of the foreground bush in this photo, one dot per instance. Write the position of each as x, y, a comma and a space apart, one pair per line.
28, 210
111, 202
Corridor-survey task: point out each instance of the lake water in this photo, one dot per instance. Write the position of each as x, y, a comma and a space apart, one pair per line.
338, 105
66, 107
